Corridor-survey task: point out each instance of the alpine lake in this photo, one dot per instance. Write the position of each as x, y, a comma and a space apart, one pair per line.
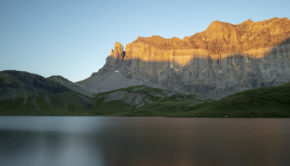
143, 141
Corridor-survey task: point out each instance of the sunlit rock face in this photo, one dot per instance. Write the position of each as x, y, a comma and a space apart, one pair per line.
118, 51
220, 40
222, 60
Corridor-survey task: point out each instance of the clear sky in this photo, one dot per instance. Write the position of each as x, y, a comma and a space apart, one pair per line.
72, 38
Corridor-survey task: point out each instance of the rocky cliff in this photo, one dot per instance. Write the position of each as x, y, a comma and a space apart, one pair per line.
222, 60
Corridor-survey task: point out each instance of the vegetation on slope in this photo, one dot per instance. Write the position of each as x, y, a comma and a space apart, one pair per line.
126, 100
1, 82
264, 102
23, 93
145, 101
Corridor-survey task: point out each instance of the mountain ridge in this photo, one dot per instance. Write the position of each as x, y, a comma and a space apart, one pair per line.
222, 60
219, 40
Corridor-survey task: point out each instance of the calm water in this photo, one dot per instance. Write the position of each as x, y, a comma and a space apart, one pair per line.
112, 141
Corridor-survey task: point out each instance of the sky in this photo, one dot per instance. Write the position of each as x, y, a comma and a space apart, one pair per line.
72, 38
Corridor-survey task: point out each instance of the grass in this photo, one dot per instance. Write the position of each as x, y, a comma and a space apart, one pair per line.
264, 102
1, 81
47, 104
174, 105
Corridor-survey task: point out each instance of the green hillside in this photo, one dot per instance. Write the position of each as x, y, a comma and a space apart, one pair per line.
264, 102
23, 93
143, 101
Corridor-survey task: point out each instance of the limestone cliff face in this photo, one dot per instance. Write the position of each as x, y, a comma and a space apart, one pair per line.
222, 60
220, 40
118, 52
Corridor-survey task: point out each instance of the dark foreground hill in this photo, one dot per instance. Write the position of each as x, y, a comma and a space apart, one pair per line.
23, 93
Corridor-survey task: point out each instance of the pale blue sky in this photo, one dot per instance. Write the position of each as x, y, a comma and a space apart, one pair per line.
72, 38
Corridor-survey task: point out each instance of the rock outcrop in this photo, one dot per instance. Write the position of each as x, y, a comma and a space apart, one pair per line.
222, 60
118, 51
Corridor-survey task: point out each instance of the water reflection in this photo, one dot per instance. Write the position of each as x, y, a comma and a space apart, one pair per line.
103, 141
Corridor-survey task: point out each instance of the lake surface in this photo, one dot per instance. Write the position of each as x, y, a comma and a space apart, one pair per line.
124, 141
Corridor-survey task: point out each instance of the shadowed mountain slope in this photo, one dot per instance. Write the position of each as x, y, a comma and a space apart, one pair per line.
23, 93
70, 85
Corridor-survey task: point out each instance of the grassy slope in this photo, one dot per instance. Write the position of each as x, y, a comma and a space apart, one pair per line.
163, 105
18, 98
119, 108
264, 102
47, 104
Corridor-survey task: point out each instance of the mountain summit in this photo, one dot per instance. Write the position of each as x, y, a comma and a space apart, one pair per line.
222, 60
219, 40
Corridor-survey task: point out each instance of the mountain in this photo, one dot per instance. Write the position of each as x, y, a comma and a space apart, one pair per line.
23, 93
198, 76
220, 61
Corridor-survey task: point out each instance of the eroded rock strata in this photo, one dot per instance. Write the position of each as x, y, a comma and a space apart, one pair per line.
222, 60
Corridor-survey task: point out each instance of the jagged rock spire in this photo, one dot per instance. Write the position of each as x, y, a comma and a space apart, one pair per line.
118, 51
